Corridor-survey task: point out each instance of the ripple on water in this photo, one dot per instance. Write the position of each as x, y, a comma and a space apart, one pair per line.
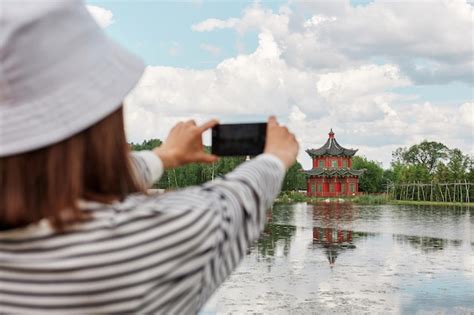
345, 258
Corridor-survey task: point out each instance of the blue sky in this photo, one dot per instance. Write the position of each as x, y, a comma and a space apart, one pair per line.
153, 29
382, 74
160, 32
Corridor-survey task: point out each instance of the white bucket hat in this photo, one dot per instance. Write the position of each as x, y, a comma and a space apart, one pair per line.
59, 73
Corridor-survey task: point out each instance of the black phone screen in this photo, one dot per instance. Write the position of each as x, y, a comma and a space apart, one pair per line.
239, 139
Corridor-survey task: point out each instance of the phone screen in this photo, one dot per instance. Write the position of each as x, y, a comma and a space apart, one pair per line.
239, 139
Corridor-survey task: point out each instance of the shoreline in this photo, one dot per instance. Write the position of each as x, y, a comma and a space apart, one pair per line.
292, 197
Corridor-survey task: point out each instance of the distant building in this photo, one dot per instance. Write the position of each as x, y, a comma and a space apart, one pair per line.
332, 174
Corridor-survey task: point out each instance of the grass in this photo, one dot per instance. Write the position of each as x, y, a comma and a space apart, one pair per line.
291, 197
288, 197
370, 199
431, 203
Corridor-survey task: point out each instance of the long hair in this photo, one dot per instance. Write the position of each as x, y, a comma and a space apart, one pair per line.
48, 183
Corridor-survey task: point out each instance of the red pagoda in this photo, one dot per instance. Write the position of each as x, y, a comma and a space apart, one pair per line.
332, 174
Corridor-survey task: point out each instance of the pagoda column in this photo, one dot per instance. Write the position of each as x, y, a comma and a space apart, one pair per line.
325, 186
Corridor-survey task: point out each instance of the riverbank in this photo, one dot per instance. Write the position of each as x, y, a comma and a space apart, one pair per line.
289, 197
295, 197
431, 203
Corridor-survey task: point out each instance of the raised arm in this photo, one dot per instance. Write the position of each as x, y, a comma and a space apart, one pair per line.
240, 200
148, 167
214, 224
183, 146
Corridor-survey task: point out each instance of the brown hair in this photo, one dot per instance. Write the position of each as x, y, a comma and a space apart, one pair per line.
49, 182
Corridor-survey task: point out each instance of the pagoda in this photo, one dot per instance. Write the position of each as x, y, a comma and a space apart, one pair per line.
332, 174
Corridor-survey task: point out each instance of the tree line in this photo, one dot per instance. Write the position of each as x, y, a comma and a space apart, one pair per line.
426, 162
196, 174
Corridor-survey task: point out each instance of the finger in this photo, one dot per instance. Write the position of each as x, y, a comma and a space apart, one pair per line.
207, 125
191, 122
272, 120
207, 158
177, 125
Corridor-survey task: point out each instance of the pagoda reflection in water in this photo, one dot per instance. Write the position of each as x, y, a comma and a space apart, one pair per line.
334, 234
330, 230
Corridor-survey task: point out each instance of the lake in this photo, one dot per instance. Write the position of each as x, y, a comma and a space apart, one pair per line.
340, 257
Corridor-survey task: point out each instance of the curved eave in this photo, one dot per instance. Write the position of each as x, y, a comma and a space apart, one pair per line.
316, 153
334, 172
331, 148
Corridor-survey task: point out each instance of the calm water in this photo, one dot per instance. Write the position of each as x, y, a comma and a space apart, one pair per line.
346, 258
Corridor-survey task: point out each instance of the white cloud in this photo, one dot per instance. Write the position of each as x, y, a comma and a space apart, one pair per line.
213, 50
318, 73
102, 16
212, 24
466, 113
316, 20
338, 34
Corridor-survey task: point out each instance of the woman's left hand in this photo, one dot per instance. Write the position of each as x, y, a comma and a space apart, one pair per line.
184, 145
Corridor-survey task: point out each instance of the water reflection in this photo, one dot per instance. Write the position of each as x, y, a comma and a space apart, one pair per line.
339, 257
335, 241
275, 234
426, 244
330, 235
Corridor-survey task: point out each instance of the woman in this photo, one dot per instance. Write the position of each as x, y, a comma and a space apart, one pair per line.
78, 233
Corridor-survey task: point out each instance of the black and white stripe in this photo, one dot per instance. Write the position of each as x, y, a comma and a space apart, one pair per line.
149, 254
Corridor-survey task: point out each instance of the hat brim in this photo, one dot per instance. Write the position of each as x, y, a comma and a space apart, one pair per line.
80, 102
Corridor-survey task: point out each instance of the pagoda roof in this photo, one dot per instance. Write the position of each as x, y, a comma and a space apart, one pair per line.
331, 147
332, 172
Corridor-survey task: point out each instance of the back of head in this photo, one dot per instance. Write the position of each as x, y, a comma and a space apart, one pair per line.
62, 83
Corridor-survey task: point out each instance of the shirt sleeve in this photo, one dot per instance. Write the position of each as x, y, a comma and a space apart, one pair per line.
240, 200
148, 167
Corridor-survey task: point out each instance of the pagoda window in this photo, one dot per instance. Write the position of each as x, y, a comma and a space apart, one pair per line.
321, 163
351, 186
320, 188
313, 188
331, 187
343, 187
344, 163
334, 163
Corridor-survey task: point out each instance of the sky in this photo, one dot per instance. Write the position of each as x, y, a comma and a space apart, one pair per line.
381, 74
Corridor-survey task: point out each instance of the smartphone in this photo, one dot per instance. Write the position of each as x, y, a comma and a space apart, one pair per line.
238, 139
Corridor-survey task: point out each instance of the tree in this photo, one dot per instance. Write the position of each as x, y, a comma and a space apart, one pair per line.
146, 145
458, 164
457, 169
294, 178
427, 154
470, 174
412, 174
372, 180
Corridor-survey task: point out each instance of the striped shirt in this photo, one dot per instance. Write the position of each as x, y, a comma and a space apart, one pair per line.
148, 254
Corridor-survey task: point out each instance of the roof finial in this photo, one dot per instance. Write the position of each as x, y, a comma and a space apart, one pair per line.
331, 134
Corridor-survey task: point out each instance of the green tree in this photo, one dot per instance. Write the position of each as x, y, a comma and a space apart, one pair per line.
372, 180
456, 169
458, 164
146, 145
294, 178
427, 154
413, 173
470, 173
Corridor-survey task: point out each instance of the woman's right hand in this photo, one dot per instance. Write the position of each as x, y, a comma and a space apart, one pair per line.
281, 143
